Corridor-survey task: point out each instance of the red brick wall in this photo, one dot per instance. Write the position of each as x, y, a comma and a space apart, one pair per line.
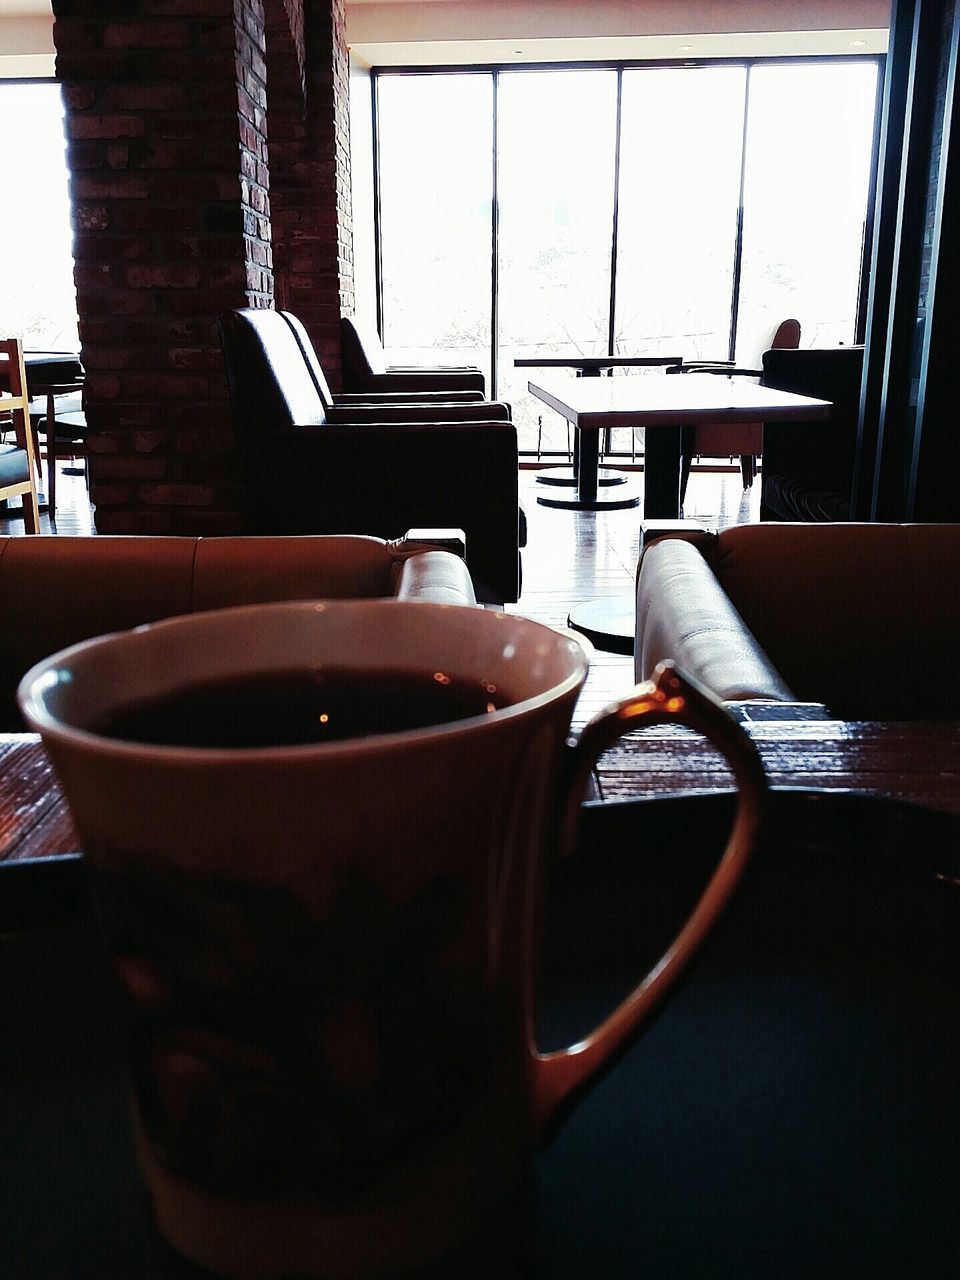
309, 140
166, 146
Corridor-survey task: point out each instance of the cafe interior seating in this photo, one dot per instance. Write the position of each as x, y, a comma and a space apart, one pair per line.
379, 469
68, 439
18, 464
733, 439
343, 402
64, 590
365, 367
860, 618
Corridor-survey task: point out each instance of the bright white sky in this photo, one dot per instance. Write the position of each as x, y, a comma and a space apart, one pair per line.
37, 299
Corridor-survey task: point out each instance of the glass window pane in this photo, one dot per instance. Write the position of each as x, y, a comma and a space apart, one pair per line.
38, 301
680, 148
436, 180
809, 138
555, 152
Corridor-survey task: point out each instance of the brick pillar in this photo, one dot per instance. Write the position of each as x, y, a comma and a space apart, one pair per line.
309, 138
166, 132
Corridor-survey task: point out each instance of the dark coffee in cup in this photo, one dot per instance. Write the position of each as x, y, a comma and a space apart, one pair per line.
293, 708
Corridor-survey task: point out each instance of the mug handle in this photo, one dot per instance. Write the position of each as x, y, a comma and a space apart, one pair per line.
559, 1078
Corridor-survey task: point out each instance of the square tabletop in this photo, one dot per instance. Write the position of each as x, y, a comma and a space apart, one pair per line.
672, 400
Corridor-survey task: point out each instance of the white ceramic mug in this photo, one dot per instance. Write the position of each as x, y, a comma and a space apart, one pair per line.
326, 952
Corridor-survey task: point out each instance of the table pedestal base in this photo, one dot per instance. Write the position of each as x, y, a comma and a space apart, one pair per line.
615, 498
609, 624
567, 477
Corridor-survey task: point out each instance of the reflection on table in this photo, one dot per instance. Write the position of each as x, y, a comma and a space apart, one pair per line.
913, 761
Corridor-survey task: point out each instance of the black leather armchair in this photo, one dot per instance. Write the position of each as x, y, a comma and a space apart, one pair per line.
365, 367
345, 399
808, 468
379, 469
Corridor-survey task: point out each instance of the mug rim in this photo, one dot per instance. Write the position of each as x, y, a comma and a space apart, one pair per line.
52, 728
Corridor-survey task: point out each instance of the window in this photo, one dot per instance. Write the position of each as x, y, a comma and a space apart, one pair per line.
641, 210
809, 133
555, 183
435, 139
37, 299
679, 193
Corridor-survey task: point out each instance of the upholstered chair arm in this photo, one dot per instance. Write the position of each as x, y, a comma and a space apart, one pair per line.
405, 397
684, 614
436, 577
426, 380
438, 411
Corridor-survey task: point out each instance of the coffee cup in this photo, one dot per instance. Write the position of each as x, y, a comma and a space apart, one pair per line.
316, 834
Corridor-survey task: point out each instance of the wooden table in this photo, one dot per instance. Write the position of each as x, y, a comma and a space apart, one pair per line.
592, 405
793, 1059
34, 820
915, 761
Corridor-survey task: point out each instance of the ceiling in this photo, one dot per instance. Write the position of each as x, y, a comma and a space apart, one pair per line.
434, 32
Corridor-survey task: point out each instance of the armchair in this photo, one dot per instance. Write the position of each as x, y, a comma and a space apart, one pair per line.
339, 400
379, 469
365, 367
808, 473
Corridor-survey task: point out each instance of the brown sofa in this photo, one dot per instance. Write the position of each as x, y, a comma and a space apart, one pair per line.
57, 591
864, 618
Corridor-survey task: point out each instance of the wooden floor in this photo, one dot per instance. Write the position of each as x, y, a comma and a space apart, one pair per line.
571, 556
74, 513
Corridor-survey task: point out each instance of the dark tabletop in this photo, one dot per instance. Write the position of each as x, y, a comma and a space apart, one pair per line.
914, 761
48, 369
792, 1113
594, 363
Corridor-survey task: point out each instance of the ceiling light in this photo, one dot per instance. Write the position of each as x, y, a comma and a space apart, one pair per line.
857, 44
684, 48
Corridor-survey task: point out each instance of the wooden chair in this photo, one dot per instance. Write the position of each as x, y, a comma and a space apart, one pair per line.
18, 465
59, 431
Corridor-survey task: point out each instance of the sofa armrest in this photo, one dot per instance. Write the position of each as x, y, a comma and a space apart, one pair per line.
425, 380
405, 397
425, 411
436, 577
691, 530
452, 540
684, 614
